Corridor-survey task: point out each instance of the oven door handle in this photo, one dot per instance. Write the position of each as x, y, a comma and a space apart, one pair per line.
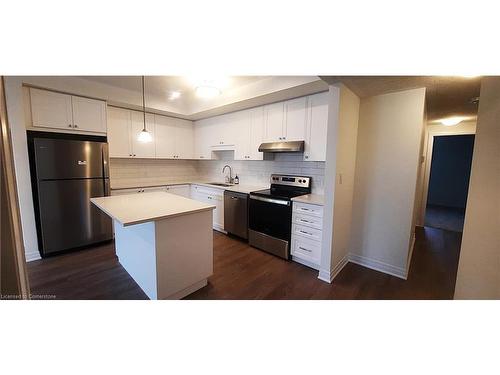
270, 200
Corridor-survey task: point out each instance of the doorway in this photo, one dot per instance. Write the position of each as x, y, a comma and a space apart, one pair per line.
449, 181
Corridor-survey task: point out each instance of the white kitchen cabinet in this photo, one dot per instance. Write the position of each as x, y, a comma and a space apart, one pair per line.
249, 127
174, 138
137, 190
123, 131
307, 234
142, 149
316, 127
274, 117
295, 119
204, 137
61, 111
182, 190
51, 109
211, 196
119, 133
89, 114
286, 121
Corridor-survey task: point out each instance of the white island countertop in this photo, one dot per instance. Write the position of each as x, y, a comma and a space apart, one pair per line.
140, 208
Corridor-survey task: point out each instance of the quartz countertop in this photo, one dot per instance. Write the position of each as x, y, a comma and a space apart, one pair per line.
240, 188
316, 199
140, 208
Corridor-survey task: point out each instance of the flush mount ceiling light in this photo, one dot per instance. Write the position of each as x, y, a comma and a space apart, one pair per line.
174, 95
144, 135
208, 87
207, 92
451, 121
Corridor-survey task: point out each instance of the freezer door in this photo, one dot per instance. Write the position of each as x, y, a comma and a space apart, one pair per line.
64, 159
67, 217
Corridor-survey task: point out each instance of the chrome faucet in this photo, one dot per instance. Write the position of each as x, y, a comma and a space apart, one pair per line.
229, 179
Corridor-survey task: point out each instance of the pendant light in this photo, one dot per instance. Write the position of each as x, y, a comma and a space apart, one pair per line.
144, 135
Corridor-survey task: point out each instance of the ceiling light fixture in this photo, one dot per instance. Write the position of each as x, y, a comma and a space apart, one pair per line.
144, 135
207, 92
174, 95
451, 121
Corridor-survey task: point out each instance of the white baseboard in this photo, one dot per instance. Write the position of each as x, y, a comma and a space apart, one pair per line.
32, 255
378, 266
305, 262
219, 228
328, 276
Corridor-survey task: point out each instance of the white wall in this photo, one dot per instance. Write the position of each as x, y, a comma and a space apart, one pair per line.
389, 139
478, 274
339, 179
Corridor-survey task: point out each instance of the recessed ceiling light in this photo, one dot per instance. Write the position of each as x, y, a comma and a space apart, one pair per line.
174, 95
451, 121
207, 91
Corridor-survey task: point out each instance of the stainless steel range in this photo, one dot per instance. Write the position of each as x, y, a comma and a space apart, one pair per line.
270, 213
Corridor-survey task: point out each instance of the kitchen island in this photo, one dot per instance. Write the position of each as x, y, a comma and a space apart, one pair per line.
164, 241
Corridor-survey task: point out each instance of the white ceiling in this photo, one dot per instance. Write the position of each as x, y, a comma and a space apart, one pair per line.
445, 95
238, 92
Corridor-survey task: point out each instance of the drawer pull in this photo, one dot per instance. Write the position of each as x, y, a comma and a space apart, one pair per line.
303, 248
303, 231
306, 221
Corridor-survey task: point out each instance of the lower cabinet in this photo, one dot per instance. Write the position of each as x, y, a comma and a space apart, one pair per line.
307, 224
211, 196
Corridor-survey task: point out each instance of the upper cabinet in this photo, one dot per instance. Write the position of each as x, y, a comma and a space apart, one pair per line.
142, 149
124, 127
285, 121
174, 138
89, 114
316, 127
61, 111
249, 127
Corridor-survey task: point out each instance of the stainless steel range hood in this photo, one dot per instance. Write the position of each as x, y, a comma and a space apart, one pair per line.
287, 146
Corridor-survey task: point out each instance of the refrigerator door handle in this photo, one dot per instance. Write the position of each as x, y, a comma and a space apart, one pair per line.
105, 160
107, 191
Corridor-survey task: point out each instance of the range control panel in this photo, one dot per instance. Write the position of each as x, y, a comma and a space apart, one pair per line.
299, 181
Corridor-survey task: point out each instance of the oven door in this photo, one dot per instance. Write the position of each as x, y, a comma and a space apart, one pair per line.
272, 217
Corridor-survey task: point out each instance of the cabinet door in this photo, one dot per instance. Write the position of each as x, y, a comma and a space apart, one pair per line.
119, 133
89, 114
203, 139
165, 130
317, 127
140, 149
273, 115
242, 123
256, 134
51, 109
184, 147
295, 119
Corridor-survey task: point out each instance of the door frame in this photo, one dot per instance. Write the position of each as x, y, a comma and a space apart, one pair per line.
431, 133
14, 241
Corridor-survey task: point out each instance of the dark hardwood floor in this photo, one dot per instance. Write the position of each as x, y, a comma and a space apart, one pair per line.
242, 272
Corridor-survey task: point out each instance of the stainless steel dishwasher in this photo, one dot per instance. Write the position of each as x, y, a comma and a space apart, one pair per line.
236, 213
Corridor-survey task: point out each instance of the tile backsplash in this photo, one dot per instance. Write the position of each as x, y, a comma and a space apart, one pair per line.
256, 172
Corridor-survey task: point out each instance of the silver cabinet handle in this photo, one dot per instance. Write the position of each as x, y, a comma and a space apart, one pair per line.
303, 231
234, 198
303, 248
306, 221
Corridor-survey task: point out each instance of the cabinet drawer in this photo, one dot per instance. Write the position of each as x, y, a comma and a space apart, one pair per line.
308, 220
308, 209
311, 233
306, 249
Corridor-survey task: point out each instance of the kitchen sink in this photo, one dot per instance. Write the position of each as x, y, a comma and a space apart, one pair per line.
219, 184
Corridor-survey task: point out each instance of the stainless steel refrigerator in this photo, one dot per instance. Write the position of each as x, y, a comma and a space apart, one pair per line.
66, 173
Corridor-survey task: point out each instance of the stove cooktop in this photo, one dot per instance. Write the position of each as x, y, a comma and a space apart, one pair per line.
278, 194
